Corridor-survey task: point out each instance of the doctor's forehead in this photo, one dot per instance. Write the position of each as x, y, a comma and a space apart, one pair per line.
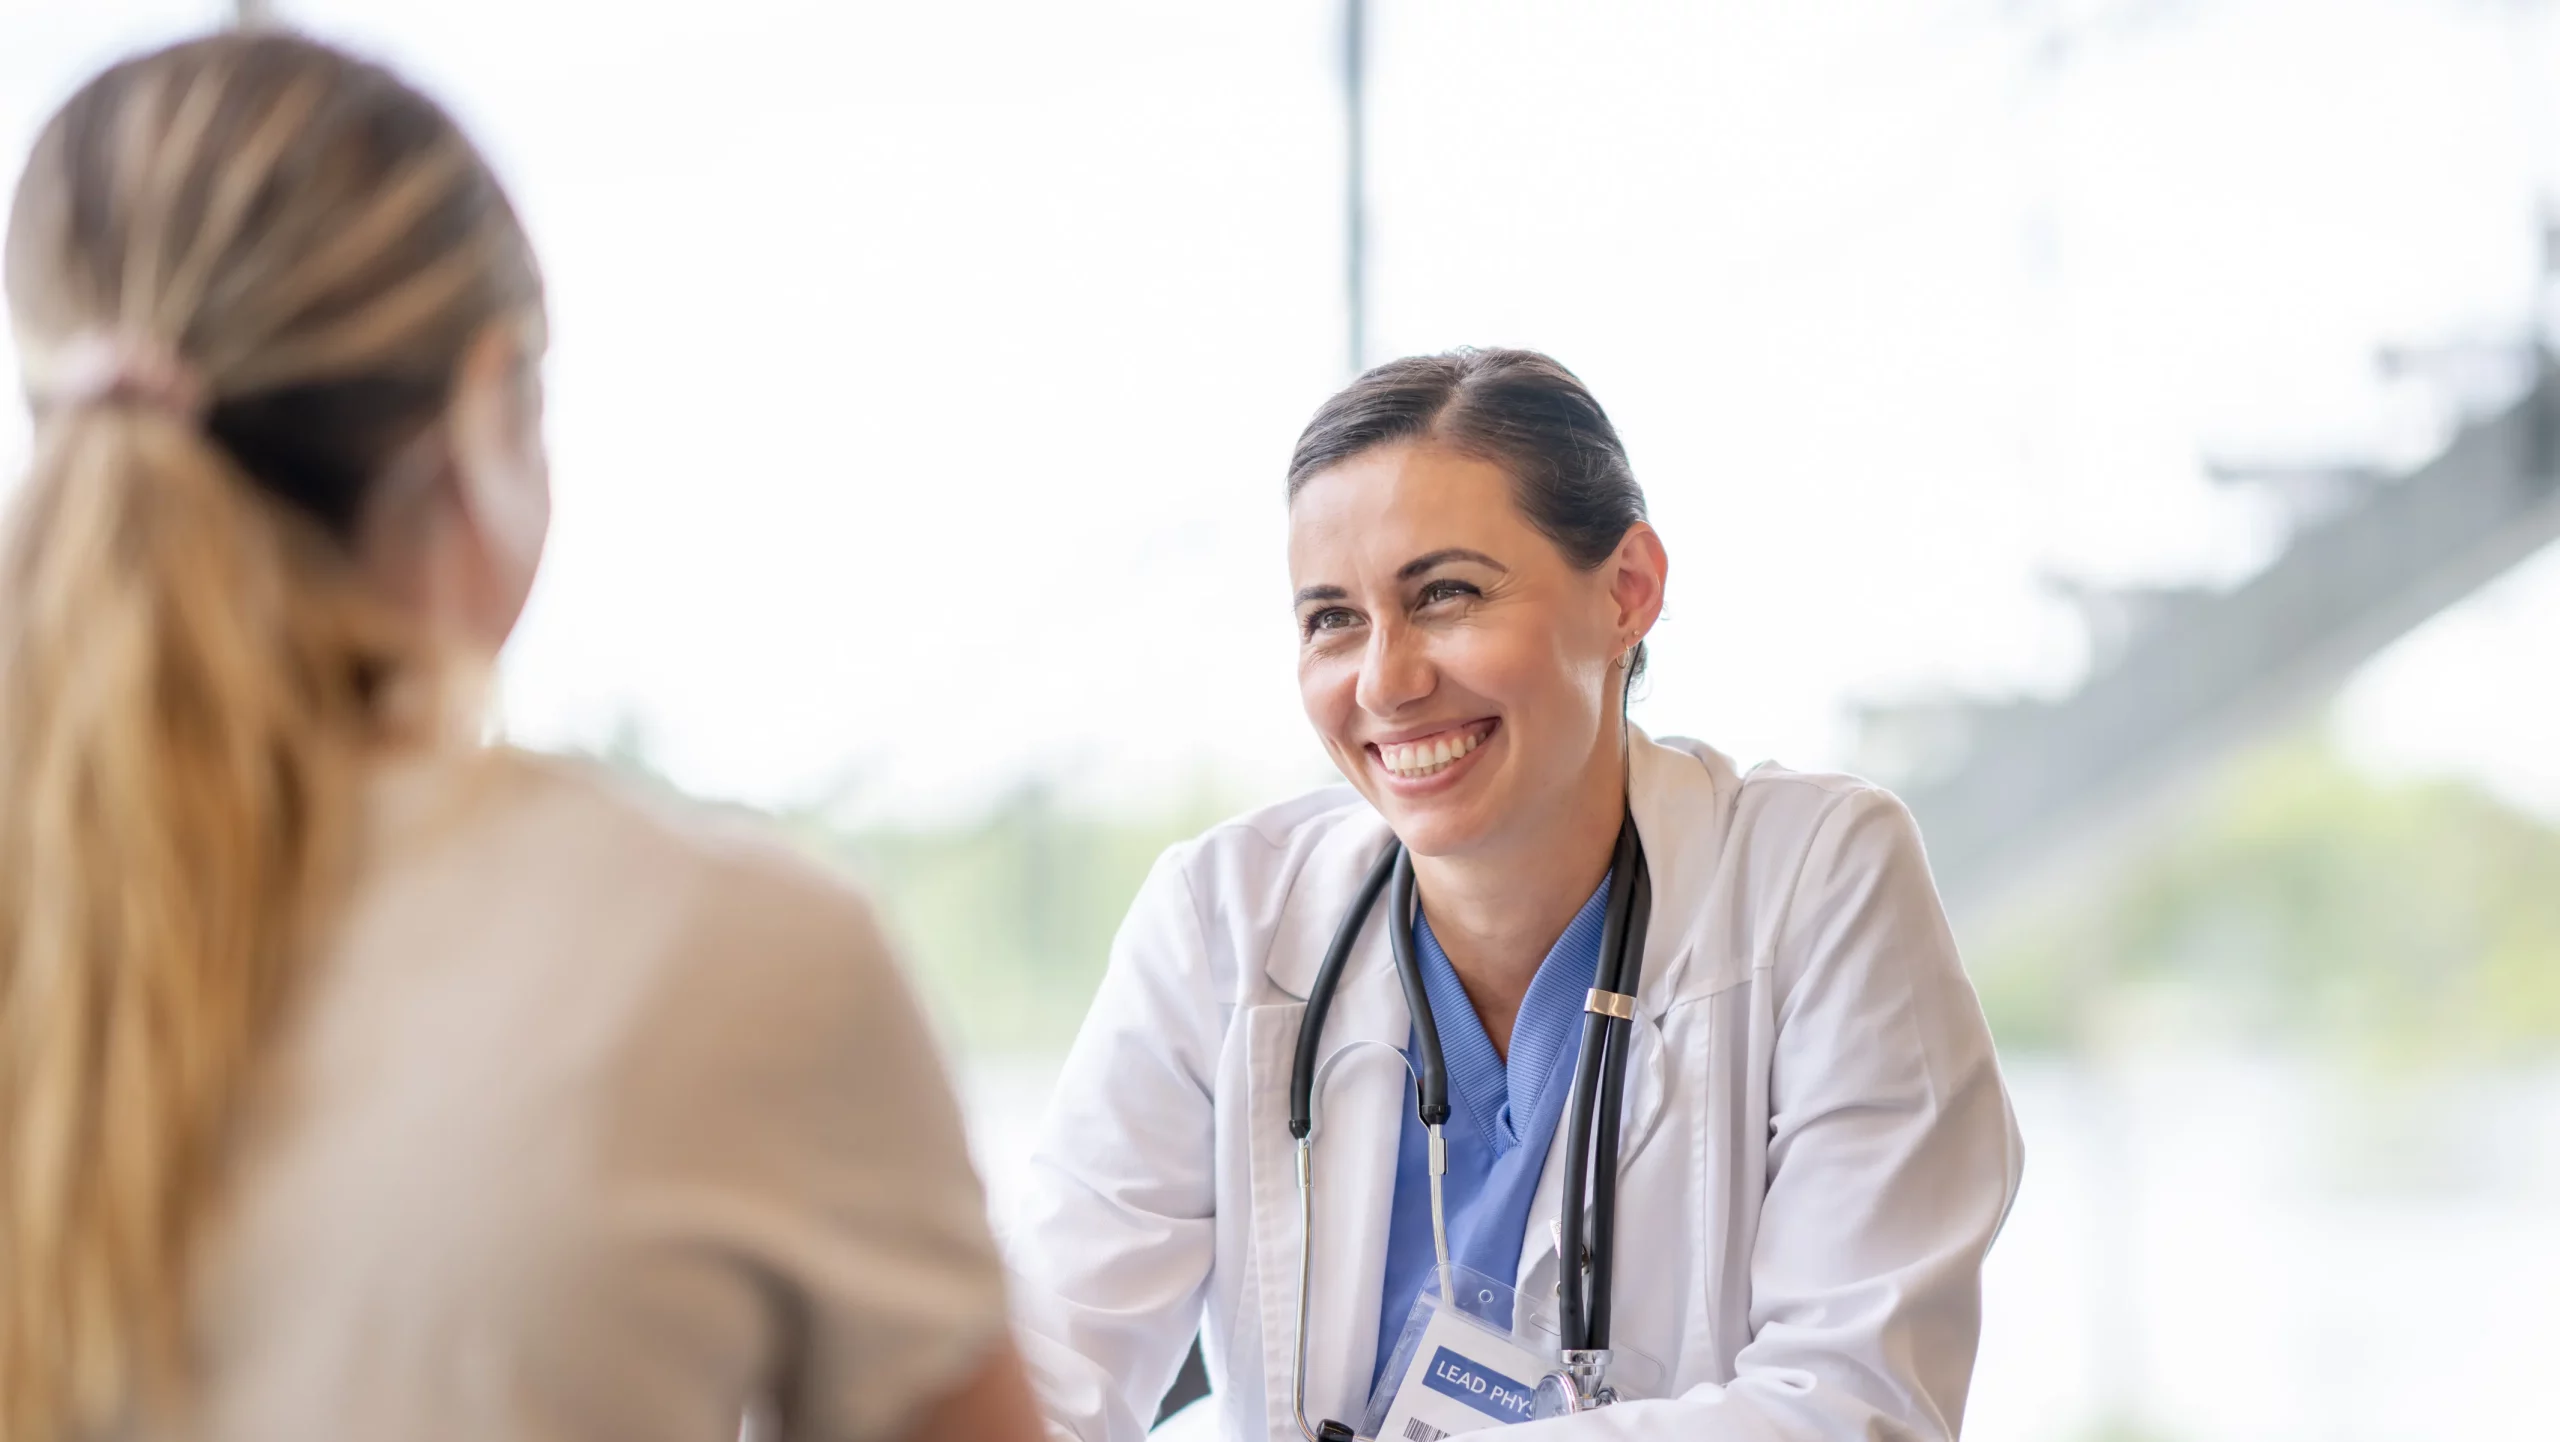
1387, 505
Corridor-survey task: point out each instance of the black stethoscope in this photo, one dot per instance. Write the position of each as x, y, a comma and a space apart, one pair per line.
1580, 1381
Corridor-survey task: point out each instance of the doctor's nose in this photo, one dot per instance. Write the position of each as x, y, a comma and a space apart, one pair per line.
1394, 672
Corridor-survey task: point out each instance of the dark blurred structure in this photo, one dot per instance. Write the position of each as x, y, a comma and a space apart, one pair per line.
2008, 789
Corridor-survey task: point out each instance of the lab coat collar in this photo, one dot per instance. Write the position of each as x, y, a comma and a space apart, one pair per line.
1325, 887
1682, 795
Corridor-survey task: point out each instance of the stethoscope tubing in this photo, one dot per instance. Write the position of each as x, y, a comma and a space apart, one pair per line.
1599, 1116
1586, 1228
1302, 1070
1587, 1234
1432, 1083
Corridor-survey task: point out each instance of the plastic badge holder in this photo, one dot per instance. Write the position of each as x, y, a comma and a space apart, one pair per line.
1462, 1367
1477, 1364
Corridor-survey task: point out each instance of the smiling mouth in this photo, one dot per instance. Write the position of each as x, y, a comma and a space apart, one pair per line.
1430, 755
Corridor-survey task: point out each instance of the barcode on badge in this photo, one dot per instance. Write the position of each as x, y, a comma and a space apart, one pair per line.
1417, 1430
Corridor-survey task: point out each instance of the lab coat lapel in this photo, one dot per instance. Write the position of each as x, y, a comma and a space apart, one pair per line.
1641, 1113
1363, 1091
1679, 803
1676, 802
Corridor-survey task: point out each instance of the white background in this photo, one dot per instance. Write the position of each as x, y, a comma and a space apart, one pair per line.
925, 374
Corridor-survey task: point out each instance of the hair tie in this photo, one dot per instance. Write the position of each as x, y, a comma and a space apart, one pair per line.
101, 368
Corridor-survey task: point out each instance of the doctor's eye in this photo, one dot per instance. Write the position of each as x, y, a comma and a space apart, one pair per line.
1330, 618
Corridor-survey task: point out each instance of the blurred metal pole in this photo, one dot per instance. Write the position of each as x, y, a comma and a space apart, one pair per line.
1355, 170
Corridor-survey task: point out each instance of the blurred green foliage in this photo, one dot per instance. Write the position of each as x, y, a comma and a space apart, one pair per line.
2299, 903
1006, 920
2302, 904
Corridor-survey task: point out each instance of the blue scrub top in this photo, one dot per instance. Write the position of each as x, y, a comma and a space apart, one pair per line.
1502, 1119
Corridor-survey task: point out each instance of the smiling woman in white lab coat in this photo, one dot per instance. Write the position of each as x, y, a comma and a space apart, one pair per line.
1815, 1150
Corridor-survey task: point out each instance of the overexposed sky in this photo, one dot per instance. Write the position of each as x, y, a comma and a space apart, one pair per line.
924, 374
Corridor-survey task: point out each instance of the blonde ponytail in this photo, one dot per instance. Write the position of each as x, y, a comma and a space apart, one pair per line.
175, 744
189, 669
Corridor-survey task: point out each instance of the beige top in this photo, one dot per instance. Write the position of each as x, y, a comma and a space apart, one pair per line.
602, 1120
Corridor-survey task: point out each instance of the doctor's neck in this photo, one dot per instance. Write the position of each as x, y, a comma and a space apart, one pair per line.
1497, 910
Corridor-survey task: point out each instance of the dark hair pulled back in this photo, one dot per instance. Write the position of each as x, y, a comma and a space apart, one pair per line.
1519, 410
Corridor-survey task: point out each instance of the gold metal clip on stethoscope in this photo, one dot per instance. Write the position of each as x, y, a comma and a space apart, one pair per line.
1587, 1228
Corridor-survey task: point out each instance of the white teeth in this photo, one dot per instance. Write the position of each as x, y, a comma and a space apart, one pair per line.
1414, 760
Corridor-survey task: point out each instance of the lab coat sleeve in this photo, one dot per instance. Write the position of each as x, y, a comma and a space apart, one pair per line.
1893, 1157
1111, 1247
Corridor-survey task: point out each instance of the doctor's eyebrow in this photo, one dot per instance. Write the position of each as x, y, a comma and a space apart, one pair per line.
1418, 566
1444, 556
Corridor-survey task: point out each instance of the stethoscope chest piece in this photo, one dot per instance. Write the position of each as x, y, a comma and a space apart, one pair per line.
1575, 1386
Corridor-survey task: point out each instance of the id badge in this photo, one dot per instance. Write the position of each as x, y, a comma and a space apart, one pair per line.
1460, 1368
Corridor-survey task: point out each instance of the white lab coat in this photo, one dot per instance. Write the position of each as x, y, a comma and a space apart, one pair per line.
1817, 1150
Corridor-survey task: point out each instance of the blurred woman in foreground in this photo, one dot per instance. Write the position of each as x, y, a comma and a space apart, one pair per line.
357, 1081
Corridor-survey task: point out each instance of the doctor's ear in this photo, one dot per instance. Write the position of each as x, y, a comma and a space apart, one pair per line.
1639, 570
